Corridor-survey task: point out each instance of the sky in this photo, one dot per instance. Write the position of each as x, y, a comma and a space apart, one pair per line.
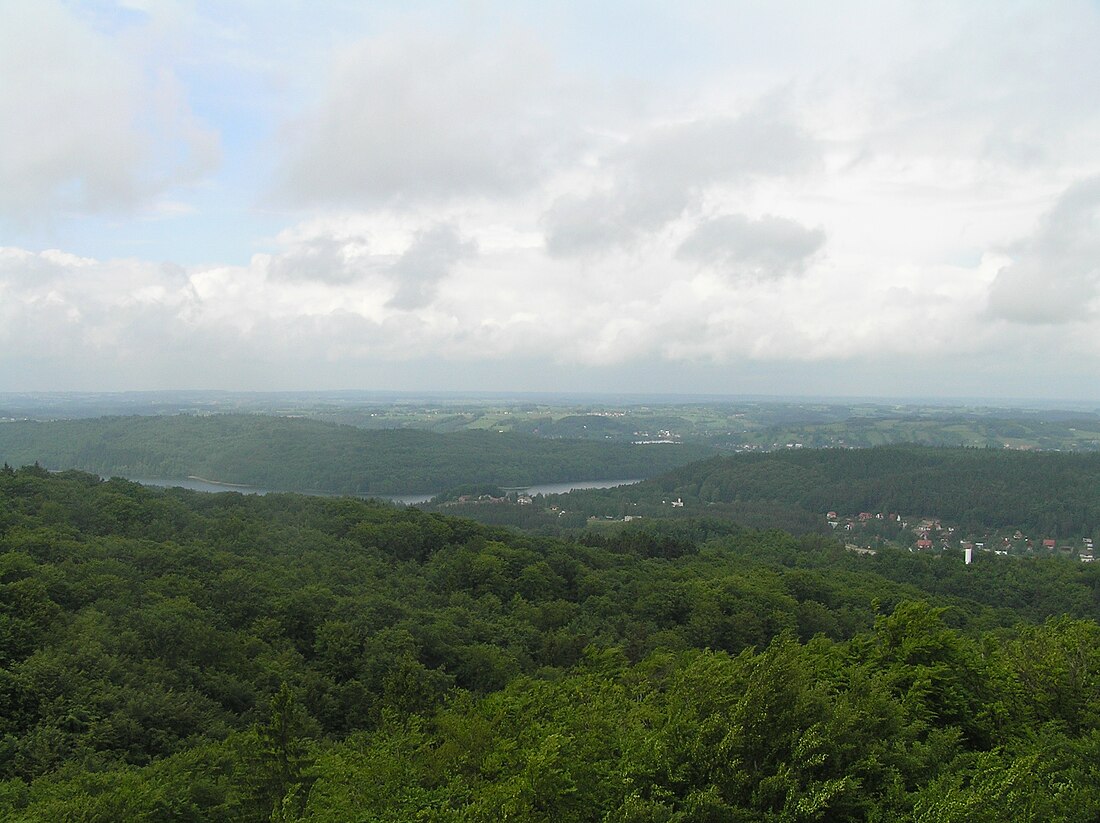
881, 198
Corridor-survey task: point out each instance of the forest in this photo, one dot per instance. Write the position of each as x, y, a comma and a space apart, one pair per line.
179, 656
1052, 494
291, 454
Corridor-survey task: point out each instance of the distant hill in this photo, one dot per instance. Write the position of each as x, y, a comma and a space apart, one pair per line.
307, 455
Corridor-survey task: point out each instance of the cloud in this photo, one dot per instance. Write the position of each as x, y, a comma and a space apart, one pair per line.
765, 248
430, 257
1054, 276
68, 313
77, 322
21, 269
657, 174
611, 201
412, 117
1012, 85
339, 255
325, 259
764, 141
82, 128
577, 225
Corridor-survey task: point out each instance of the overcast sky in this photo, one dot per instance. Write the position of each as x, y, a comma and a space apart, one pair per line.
824, 198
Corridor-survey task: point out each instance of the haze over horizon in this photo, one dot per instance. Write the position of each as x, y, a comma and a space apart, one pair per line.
887, 199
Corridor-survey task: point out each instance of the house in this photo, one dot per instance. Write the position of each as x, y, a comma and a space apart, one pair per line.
865, 516
831, 516
1048, 543
924, 543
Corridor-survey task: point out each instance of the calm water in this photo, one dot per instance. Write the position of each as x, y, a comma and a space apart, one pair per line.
562, 488
197, 485
404, 499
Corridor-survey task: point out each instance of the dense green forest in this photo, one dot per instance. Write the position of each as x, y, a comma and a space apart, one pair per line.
1044, 493
307, 455
573, 512
171, 655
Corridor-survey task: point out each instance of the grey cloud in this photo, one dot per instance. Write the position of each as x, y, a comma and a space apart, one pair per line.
761, 142
1056, 273
174, 274
658, 175
408, 119
577, 225
323, 259
429, 258
765, 248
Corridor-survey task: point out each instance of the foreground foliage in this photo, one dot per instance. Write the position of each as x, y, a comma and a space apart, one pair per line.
167, 655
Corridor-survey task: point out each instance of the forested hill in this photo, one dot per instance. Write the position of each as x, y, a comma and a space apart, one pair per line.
178, 656
1051, 493
307, 455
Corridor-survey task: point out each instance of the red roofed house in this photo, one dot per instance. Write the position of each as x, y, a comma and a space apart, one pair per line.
924, 544
1048, 543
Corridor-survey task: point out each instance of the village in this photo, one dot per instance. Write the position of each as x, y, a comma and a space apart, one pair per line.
866, 531
862, 533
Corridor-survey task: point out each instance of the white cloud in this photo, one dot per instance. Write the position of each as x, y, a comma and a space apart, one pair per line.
82, 127
659, 172
414, 116
111, 323
652, 199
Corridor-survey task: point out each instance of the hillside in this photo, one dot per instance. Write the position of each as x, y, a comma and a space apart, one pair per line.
1044, 493
306, 455
172, 655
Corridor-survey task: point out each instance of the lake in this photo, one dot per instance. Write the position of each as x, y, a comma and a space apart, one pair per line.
200, 485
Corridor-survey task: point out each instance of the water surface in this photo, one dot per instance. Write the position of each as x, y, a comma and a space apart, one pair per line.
201, 485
